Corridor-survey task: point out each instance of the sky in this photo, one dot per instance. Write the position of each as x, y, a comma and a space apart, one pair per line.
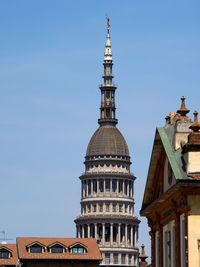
51, 55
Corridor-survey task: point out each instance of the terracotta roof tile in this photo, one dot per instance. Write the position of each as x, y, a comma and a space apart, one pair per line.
92, 254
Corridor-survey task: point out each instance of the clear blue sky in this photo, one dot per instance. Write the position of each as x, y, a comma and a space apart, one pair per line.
51, 55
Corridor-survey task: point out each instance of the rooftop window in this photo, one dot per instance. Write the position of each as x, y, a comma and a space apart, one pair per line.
78, 250
4, 254
36, 248
57, 249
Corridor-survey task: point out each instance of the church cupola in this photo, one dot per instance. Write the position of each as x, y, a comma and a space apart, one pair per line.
107, 114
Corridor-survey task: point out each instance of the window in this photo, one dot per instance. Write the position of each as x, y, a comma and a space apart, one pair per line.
36, 248
89, 208
107, 186
89, 187
107, 258
107, 207
115, 261
114, 186
4, 254
129, 259
101, 186
57, 249
114, 207
101, 207
123, 257
77, 250
95, 208
120, 207
126, 207
95, 186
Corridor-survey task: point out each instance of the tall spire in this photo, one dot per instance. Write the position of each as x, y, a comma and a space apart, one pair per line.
107, 114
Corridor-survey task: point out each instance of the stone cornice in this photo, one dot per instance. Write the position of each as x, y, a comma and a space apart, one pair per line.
116, 175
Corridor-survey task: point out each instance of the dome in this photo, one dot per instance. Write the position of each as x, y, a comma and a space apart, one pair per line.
107, 140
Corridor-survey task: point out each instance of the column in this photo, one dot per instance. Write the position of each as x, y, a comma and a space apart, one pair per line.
88, 231
83, 188
111, 186
135, 236
131, 189
119, 234
95, 230
103, 234
111, 234
79, 231
131, 235
92, 184
123, 187
97, 186
117, 187
83, 231
104, 186
126, 235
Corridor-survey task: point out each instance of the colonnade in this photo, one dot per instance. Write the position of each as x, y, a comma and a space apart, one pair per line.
111, 186
110, 233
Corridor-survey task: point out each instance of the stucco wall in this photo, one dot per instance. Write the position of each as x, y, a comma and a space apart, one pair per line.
194, 231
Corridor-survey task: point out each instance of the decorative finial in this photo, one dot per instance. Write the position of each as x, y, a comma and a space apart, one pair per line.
195, 125
108, 24
183, 110
143, 256
167, 119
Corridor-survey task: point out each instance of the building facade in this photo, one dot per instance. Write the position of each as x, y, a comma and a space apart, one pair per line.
107, 198
171, 200
50, 252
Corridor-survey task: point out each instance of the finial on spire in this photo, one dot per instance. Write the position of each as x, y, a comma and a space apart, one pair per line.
183, 110
108, 24
143, 256
195, 125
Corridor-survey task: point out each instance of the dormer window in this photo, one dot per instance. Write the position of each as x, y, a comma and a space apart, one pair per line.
35, 248
4, 254
77, 250
57, 249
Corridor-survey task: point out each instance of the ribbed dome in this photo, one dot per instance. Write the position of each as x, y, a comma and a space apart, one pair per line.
107, 140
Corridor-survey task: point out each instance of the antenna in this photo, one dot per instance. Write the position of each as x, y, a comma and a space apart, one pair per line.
4, 239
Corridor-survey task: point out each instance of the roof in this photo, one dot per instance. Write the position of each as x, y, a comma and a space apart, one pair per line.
93, 252
164, 137
13, 259
107, 140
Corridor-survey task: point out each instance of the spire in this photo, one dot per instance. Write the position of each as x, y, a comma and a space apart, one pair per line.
183, 110
107, 114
